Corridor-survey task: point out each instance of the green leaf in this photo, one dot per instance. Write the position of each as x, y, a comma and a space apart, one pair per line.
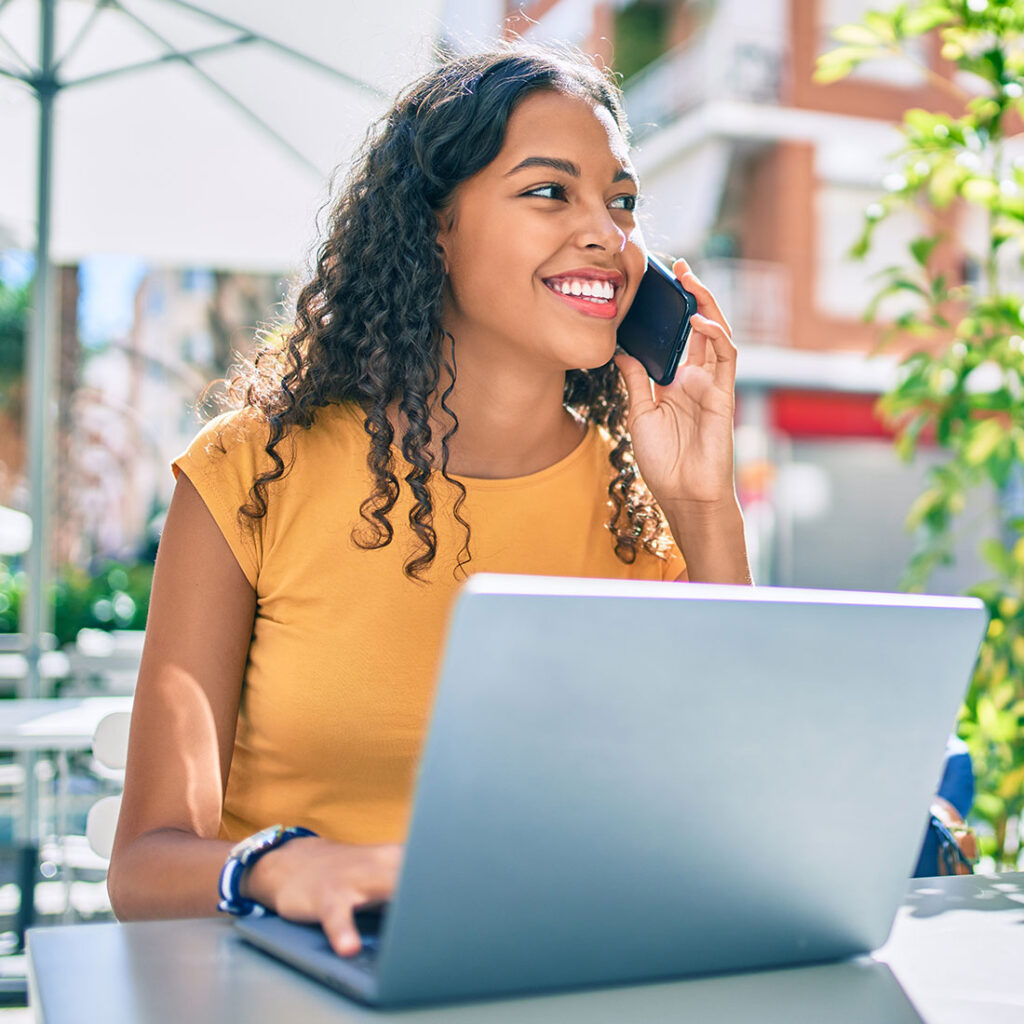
832, 71
989, 806
1018, 446
995, 554
988, 845
979, 190
923, 505
987, 591
839, 62
856, 34
983, 440
919, 22
988, 717
921, 248
881, 24
943, 184
1012, 784
904, 284
906, 442
862, 245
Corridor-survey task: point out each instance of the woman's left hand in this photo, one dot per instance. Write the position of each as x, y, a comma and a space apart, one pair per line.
683, 432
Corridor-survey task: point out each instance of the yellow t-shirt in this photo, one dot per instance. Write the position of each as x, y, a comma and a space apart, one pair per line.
345, 648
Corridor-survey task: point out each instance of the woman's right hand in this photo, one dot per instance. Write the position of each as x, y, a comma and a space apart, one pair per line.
310, 879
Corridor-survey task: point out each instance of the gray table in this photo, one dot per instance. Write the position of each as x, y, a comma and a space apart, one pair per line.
956, 954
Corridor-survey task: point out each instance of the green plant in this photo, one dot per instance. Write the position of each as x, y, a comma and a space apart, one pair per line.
965, 382
114, 596
14, 312
641, 35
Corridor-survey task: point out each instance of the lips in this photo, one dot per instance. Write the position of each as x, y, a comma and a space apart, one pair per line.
588, 290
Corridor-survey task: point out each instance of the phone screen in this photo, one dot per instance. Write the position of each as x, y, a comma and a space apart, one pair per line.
657, 326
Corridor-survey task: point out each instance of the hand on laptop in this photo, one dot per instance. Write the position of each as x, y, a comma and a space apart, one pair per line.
314, 880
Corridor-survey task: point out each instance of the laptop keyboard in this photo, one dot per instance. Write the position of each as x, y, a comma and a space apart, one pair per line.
369, 921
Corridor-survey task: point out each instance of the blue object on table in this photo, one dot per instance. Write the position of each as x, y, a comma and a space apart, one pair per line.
957, 786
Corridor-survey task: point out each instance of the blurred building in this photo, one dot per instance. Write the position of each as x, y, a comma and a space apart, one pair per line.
760, 177
753, 172
137, 405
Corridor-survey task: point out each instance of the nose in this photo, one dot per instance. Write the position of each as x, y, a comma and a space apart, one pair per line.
597, 229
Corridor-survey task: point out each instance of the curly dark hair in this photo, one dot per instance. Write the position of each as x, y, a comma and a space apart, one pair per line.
367, 327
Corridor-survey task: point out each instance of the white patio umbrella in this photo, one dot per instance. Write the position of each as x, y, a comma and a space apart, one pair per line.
198, 134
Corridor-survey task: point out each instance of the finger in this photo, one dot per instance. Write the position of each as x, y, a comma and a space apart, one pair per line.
706, 302
638, 383
340, 928
721, 345
696, 346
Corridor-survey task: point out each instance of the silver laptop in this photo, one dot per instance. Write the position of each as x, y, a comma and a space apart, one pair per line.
630, 780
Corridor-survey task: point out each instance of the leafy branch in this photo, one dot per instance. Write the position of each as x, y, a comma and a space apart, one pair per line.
962, 385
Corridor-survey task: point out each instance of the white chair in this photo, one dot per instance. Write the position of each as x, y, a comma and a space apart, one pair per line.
103, 662
90, 854
110, 749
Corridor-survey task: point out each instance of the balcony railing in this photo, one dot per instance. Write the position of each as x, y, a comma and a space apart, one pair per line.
704, 68
755, 297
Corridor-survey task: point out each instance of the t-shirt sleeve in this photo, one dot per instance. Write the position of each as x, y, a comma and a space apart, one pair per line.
221, 463
674, 564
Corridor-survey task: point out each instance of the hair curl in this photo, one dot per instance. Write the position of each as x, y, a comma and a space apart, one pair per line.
367, 326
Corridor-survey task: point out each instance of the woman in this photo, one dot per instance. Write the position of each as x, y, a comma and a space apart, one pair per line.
306, 568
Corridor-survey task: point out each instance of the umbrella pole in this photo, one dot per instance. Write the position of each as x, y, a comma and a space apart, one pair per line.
35, 611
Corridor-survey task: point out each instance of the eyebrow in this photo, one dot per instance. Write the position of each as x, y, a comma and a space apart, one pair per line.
568, 167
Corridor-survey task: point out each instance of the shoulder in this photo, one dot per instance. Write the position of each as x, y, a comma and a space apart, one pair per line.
241, 437
238, 428
233, 442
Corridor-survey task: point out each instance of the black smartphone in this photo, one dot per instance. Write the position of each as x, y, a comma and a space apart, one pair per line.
657, 326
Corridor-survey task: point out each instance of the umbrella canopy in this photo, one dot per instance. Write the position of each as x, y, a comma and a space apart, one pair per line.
195, 134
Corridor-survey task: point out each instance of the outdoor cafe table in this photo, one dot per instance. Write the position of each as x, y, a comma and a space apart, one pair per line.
955, 956
58, 724
53, 665
50, 725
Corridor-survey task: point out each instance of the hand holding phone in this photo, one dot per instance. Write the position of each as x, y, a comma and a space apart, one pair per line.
657, 326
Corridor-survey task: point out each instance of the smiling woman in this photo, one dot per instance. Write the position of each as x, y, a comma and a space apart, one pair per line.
448, 399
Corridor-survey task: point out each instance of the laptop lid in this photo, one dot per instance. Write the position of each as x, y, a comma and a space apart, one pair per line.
632, 780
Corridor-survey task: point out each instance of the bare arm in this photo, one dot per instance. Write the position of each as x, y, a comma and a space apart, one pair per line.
166, 857
712, 542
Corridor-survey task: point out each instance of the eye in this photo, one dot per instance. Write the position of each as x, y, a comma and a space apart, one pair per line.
628, 202
557, 191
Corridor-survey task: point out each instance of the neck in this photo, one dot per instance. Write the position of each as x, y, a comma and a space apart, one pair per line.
511, 418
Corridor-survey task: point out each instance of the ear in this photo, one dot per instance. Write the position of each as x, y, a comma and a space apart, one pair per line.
445, 224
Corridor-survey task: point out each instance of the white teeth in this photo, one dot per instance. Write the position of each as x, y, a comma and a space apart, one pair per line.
593, 290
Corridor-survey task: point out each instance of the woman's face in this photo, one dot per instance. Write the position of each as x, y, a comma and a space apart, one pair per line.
542, 247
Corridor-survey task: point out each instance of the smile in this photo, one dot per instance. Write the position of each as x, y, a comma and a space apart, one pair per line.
592, 296
596, 291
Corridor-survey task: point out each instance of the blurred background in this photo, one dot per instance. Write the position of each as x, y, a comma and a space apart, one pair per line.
172, 251
753, 172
